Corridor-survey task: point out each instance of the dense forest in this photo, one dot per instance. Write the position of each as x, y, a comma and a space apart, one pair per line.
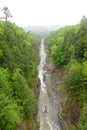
68, 51
19, 54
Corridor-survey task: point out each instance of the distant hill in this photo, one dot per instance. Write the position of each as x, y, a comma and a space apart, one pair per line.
41, 29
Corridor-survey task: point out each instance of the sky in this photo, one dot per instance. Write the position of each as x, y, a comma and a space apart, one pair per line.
45, 12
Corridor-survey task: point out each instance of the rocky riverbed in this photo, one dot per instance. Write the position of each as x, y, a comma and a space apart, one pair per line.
47, 105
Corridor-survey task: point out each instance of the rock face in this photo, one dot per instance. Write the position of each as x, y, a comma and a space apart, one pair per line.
68, 108
53, 78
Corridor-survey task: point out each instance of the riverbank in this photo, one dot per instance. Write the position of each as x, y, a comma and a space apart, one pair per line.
67, 106
56, 94
63, 110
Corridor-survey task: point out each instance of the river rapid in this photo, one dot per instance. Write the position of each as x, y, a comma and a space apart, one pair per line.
47, 109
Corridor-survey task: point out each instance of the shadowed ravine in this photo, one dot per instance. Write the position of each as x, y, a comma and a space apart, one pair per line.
47, 111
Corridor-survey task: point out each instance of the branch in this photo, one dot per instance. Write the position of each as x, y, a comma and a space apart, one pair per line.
2, 17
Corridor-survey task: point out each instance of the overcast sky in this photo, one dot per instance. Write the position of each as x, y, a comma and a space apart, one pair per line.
45, 12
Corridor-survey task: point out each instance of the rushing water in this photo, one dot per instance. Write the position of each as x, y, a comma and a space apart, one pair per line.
47, 114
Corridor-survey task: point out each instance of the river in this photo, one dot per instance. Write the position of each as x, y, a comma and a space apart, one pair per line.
47, 110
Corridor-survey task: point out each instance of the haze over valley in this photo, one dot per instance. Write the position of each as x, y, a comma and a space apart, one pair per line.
41, 29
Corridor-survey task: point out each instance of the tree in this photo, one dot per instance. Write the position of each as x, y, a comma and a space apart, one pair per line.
5, 10
83, 22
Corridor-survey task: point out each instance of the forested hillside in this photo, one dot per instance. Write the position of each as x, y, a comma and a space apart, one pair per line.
19, 54
68, 51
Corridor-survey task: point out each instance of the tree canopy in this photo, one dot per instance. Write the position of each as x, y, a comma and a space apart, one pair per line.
19, 54
68, 49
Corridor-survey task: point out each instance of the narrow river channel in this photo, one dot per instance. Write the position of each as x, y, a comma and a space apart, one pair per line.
47, 113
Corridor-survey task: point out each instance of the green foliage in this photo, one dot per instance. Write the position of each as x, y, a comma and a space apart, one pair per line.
63, 48
58, 56
84, 68
9, 117
68, 48
5, 86
1, 53
73, 79
19, 54
83, 119
22, 94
